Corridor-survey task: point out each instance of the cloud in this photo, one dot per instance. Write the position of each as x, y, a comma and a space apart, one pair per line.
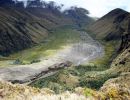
101, 7
97, 8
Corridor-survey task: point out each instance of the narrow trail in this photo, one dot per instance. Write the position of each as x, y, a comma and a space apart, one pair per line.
78, 53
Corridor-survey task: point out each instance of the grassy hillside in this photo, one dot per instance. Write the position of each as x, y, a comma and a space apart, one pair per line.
108, 76
50, 17
109, 30
111, 26
58, 38
111, 91
83, 76
116, 78
112, 67
19, 29
22, 28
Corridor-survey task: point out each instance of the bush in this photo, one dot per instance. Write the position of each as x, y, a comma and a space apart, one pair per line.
17, 62
35, 61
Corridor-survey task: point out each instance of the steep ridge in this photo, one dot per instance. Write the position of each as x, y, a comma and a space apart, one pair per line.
112, 29
115, 26
111, 26
19, 29
121, 64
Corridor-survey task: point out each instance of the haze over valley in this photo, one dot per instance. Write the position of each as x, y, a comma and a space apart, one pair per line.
48, 52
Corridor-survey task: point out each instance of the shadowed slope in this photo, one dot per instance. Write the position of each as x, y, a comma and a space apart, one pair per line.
19, 29
111, 26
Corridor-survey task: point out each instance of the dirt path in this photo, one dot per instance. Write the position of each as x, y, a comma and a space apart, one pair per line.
78, 53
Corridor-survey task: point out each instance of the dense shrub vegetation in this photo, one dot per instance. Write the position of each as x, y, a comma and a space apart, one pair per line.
78, 76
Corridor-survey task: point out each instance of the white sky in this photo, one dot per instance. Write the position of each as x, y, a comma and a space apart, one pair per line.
97, 8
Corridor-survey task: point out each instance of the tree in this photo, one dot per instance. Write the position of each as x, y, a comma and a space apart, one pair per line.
59, 7
35, 3
51, 5
44, 4
54, 7
7, 2
76, 12
82, 10
79, 15
19, 4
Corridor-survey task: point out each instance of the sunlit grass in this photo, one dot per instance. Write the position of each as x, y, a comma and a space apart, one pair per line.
109, 52
92, 75
56, 39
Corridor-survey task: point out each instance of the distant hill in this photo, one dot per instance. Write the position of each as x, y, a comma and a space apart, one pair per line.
111, 26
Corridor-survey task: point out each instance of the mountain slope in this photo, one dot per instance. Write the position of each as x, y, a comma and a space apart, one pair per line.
19, 29
115, 26
50, 17
112, 29
111, 26
23, 27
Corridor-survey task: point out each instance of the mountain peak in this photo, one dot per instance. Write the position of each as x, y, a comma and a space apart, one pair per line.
112, 25
118, 9
116, 12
